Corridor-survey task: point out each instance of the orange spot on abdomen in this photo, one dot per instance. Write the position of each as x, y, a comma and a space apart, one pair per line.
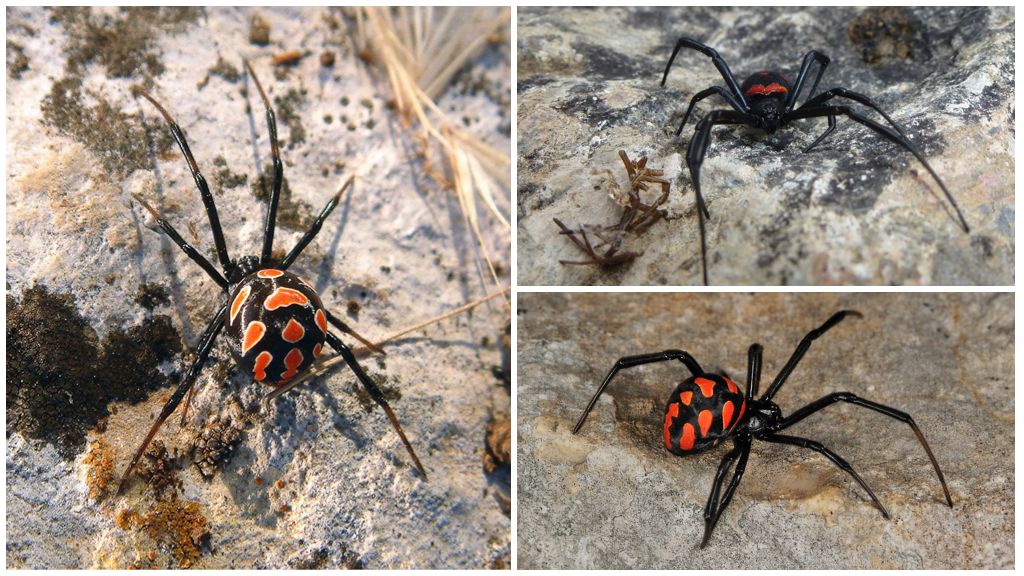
269, 273
707, 387
253, 334
670, 414
686, 440
732, 386
704, 421
236, 305
727, 410
260, 369
285, 297
291, 362
686, 397
321, 321
765, 90
293, 332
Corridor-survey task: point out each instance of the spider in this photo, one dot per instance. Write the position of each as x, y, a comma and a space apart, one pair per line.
275, 319
708, 408
767, 100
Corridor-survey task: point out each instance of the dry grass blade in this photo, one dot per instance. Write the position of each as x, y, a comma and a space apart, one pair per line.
419, 50
321, 367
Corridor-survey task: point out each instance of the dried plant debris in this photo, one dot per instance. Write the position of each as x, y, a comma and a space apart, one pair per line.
214, 444
637, 216
499, 445
157, 469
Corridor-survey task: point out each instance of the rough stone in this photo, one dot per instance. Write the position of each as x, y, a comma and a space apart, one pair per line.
338, 489
613, 497
856, 210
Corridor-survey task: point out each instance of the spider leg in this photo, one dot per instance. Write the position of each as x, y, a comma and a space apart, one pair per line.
827, 95
717, 60
835, 458
713, 510
275, 150
802, 348
881, 408
809, 59
753, 371
729, 98
346, 329
630, 362
203, 351
189, 250
204, 188
375, 393
889, 134
831, 128
315, 228
695, 153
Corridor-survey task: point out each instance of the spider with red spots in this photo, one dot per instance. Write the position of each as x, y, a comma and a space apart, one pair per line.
767, 100
274, 318
707, 408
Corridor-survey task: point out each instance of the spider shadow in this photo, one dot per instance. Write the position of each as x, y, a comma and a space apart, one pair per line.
166, 252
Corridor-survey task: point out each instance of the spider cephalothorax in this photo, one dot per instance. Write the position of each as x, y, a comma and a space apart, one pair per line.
275, 319
708, 408
767, 100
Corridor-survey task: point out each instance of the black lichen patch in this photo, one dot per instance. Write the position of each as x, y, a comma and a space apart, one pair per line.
526, 83
61, 378
124, 44
607, 64
157, 468
150, 296
17, 61
293, 214
115, 138
883, 33
225, 70
388, 388
224, 177
286, 107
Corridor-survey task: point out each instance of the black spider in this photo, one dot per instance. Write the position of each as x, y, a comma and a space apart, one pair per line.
708, 408
274, 319
766, 100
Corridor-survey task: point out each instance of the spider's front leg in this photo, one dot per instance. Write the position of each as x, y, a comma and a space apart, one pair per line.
203, 351
714, 508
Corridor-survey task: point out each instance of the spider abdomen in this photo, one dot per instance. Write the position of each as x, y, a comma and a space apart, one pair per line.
701, 412
277, 325
765, 83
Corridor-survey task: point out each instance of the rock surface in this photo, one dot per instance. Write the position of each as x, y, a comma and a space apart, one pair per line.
613, 497
856, 210
318, 478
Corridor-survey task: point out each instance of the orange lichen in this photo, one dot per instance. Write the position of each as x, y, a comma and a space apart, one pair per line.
176, 524
100, 471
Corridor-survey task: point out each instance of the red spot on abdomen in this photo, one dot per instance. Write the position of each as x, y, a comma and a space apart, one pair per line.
743, 406
670, 414
686, 397
686, 440
253, 334
707, 387
260, 369
291, 362
285, 297
704, 421
269, 273
766, 89
732, 386
236, 305
293, 332
316, 350
321, 321
727, 410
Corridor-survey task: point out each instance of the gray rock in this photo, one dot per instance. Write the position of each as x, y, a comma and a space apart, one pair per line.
318, 478
613, 497
856, 210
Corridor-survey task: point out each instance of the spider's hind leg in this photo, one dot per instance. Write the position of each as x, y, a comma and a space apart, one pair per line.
202, 352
